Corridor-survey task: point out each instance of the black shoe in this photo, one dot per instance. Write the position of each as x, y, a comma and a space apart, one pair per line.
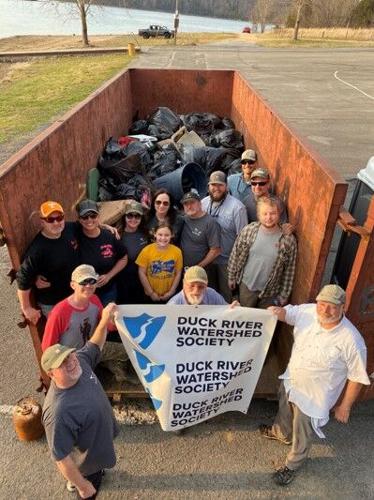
284, 476
267, 432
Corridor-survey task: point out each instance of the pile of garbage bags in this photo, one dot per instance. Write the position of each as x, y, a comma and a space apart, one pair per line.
160, 145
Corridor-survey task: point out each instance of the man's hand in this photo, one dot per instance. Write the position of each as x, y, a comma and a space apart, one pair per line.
279, 312
342, 413
32, 315
288, 228
232, 285
86, 490
42, 282
234, 303
107, 314
112, 229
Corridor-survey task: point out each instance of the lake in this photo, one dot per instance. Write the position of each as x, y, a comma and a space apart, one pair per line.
22, 17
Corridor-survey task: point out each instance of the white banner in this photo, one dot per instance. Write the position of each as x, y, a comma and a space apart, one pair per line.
196, 361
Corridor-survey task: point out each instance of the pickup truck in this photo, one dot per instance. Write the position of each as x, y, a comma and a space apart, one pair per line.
155, 30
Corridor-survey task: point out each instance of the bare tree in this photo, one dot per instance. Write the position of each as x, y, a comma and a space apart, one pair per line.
263, 12
71, 9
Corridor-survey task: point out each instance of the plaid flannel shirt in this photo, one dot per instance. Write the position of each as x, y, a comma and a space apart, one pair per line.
282, 275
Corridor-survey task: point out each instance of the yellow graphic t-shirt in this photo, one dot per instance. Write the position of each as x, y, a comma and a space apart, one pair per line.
161, 266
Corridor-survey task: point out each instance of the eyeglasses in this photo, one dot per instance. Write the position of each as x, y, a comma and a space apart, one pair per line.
91, 215
259, 183
159, 202
88, 281
247, 162
57, 218
133, 216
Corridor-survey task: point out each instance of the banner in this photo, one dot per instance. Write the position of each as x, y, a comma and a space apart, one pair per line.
196, 361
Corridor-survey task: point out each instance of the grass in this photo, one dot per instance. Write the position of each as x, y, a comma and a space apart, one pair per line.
19, 43
315, 38
35, 93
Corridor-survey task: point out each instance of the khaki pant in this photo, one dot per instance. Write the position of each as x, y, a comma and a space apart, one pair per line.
292, 424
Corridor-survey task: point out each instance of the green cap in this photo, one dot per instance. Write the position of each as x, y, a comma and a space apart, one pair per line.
54, 356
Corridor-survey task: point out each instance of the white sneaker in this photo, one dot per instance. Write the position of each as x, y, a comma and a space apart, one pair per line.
70, 487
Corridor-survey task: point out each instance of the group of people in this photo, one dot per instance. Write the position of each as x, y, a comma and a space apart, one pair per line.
235, 242
238, 233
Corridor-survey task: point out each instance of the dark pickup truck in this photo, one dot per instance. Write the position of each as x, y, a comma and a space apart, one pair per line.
155, 30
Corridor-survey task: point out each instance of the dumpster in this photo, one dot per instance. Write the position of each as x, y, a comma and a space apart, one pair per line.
69, 148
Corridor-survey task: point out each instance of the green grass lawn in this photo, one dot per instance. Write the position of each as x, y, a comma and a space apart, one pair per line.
34, 93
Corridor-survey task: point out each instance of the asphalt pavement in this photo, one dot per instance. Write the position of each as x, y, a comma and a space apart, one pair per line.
224, 457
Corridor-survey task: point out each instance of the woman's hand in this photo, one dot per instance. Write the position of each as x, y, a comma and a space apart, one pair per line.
103, 280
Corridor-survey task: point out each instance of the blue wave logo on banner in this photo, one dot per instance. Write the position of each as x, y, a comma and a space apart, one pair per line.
150, 370
144, 328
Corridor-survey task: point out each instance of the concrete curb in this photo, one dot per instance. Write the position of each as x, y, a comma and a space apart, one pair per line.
11, 56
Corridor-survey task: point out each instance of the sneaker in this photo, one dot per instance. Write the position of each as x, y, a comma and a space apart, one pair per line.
267, 432
70, 487
284, 476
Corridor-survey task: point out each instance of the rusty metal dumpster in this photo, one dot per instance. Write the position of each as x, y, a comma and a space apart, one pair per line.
54, 166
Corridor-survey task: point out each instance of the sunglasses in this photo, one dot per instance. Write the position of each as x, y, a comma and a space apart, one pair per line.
159, 202
88, 281
133, 216
259, 183
57, 218
247, 162
92, 215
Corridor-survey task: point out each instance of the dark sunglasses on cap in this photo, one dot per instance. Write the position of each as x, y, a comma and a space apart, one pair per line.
133, 216
165, 203
90, 215
259, 183
57, 218
88, 281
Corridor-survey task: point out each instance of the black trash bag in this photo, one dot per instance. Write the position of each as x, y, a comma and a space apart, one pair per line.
139, 127
235, 167
163, 122
227, 123
134, 189
230, 138
107, 188
202, 123
112, 149
123, 170
165, 160
142, 151
211, 159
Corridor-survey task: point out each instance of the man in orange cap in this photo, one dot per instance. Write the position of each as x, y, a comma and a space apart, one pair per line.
52, 256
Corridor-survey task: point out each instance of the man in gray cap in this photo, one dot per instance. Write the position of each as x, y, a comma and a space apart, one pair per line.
239, 185
231, 215
77, 415
328, 358
200, 238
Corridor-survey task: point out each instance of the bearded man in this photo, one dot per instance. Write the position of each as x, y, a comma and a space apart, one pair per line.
196, 291
326, 372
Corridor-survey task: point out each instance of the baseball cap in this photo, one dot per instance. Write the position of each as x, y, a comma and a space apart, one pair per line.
263, 173
86, 206
84, 272
195, 273
249, 155
48, 207
191, 195
332, 293
55, 355
217, 177
134, 207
